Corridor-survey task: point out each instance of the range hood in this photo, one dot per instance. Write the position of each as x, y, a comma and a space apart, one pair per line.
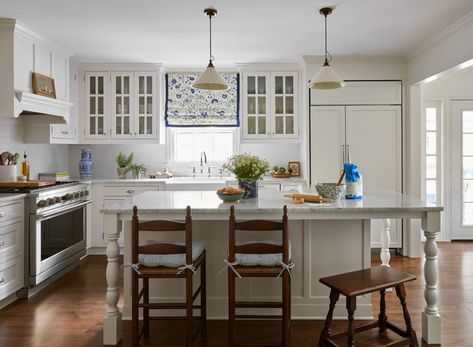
41, 109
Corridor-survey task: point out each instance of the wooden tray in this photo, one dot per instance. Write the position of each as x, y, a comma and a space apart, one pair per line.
279, 175
28, 184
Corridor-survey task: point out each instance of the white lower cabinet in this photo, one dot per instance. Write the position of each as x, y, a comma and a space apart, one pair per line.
102, 192
11, 247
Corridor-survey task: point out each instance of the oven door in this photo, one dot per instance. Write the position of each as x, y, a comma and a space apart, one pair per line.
57, 239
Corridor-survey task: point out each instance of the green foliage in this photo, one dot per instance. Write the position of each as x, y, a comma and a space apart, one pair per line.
124, 161
247, 166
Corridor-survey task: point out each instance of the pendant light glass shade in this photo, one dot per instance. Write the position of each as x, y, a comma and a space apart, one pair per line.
326, 77
210, 79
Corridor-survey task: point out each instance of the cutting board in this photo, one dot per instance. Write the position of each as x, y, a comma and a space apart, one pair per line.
28, 184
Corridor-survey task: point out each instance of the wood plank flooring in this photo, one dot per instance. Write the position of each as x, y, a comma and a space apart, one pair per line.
69, 313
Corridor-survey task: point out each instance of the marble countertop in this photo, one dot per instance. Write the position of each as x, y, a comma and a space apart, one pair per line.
7, 197
268, 201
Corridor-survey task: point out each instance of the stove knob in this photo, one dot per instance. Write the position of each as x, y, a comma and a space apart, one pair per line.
41, 203
82, 193
51, 201
86, 192
57, 200
66, 197
76, 195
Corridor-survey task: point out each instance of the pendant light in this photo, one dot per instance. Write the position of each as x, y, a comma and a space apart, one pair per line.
326, 77
210, 78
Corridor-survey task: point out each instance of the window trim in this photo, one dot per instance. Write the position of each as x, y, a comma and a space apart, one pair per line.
437, 104
171, 136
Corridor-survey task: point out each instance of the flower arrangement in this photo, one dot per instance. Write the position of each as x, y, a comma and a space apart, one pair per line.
247, 166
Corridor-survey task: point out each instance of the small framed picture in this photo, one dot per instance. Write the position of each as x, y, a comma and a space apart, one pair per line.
296, 168
44, 85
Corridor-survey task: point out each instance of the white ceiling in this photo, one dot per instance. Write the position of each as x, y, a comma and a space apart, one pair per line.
176, 31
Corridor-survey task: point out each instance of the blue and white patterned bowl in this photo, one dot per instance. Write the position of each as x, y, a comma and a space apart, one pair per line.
330, 191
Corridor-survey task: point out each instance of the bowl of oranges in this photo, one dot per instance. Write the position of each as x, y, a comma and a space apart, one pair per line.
230, 194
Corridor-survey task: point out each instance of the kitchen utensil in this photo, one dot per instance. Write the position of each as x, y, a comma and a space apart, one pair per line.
308, 197
340, 180
330, 190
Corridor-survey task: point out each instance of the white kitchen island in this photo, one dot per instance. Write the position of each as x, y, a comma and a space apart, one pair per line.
326, 239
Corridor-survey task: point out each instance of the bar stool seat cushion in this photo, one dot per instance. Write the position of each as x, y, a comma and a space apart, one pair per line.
260, 259
171, 260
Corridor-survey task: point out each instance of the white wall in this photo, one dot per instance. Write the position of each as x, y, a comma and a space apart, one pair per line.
444, 51
154, 157
456, 85
43, 157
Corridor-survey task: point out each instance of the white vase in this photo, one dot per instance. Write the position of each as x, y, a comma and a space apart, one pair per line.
8, 173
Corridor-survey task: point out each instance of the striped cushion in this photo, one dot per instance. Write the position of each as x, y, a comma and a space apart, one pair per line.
260, 259
171, 260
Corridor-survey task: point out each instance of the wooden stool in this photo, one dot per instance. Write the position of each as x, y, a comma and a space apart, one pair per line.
185, 271
352, 284
261, 270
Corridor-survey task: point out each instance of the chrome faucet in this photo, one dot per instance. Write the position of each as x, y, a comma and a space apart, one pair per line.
203, 160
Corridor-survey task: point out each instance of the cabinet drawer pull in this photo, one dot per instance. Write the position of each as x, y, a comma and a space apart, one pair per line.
2, 243
2, 214
2, 280
130, 191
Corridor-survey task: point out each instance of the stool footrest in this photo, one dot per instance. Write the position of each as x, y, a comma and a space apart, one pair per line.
167, 306
258, 304
259, 316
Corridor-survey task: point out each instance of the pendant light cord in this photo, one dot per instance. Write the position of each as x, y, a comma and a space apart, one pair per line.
210, 26
328, 57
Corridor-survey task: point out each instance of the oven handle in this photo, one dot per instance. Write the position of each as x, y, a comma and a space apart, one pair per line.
66, 209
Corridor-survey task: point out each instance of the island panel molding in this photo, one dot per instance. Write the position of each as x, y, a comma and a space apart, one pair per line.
335, 233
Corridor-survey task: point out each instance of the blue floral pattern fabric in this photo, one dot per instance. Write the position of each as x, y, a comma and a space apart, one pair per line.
190, 107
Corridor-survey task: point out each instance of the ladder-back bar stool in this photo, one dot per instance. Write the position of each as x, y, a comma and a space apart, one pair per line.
259, 259
156, 260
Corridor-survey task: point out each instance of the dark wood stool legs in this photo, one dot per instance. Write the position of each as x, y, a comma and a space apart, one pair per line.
382, 318
326, 332
409, 334
401, 294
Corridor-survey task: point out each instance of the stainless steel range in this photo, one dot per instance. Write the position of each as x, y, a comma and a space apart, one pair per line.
55, 231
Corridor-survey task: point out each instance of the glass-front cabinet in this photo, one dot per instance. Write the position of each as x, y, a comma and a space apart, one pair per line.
145, 104
120, 105
96, 86
270, 103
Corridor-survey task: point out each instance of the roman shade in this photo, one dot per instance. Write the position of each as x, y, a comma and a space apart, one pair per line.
191, 107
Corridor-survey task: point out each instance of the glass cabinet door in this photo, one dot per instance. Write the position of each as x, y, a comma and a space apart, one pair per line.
145, 83
256, 100
122, 104
96, 107
284, 95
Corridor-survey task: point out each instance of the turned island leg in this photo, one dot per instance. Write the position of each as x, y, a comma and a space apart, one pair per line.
431, 316
385, 242
112, 324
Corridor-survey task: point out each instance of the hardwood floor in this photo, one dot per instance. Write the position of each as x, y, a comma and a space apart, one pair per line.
69, 313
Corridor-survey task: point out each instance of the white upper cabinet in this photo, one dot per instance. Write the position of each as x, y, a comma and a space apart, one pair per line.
120, 105
270, 105
96, 100
145, 104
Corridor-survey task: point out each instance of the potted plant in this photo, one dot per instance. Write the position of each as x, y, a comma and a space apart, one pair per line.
138, 170
124, 162
248, 170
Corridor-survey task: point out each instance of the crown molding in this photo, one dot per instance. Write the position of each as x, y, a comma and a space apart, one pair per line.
448, 31
319, 59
